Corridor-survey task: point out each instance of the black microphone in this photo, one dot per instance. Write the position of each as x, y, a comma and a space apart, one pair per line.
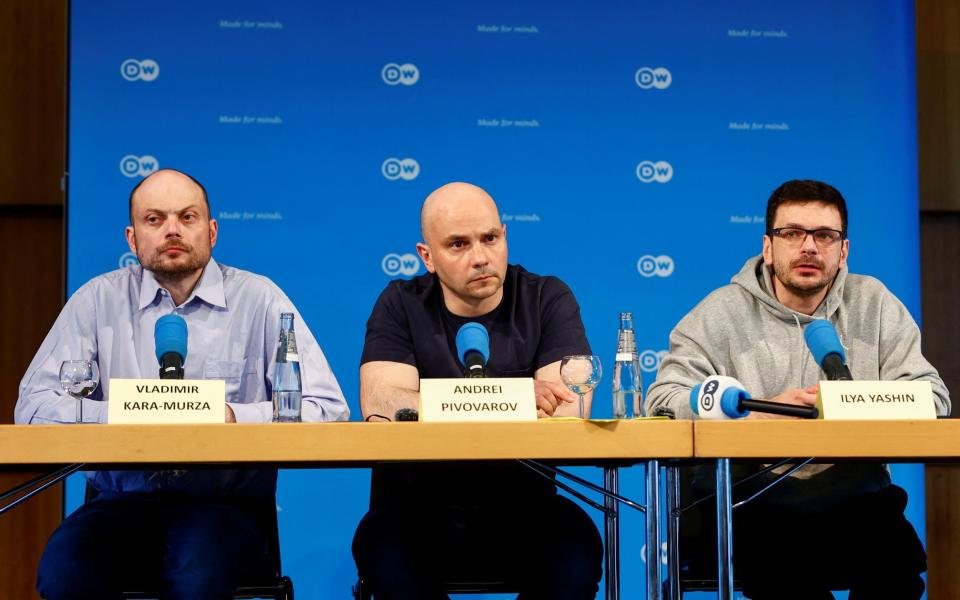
473, 349
406, 414
779, 408
170, 339
824, 344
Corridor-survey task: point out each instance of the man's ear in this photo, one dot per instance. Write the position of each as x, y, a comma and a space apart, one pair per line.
131, 238
423, 251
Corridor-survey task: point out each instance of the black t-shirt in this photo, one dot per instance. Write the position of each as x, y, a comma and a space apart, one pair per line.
537, 323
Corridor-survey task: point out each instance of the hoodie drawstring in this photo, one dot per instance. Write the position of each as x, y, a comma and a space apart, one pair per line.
803, 348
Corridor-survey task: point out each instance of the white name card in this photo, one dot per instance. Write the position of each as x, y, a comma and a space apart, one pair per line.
876, 400
494, 399
155, 401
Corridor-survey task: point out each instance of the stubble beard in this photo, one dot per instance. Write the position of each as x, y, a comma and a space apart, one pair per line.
803, 286
487, 290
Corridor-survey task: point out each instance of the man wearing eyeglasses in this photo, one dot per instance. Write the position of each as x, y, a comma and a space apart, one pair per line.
826, 526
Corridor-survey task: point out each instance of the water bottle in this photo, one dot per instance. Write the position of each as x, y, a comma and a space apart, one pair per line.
286, 376
627, 385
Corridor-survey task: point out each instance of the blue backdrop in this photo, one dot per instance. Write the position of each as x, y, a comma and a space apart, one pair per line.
630, 145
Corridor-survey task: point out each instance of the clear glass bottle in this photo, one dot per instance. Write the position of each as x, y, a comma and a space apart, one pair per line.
287, 390
627, 382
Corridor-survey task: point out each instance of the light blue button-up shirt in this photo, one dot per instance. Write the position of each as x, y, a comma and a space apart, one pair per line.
233, 322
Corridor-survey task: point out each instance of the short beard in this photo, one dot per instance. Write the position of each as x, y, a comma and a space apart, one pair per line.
165, 272
806, 289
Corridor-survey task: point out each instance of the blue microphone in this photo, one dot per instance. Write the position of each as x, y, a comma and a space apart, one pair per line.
722, 397
170, 337
824, 344
718, 397
473, 349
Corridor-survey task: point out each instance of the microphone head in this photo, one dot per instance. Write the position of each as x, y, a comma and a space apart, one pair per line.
718, 397
473, 337
822, 340
170, 335
406, 414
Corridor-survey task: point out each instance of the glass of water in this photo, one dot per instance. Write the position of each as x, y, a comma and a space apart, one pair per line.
581, 373
79, 378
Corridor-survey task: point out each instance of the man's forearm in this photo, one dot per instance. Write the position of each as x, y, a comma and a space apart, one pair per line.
385, 400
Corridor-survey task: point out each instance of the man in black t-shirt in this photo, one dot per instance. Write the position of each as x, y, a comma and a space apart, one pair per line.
430, 523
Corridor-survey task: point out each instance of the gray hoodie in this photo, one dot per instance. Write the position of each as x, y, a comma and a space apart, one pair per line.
743, 331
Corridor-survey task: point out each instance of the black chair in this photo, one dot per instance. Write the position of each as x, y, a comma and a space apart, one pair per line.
361, 592
380, 492
268, 583
698, 525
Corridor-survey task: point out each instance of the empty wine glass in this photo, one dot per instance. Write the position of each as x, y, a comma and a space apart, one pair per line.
79, 378
581, 374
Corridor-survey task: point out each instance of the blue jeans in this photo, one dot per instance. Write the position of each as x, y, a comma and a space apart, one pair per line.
179, 546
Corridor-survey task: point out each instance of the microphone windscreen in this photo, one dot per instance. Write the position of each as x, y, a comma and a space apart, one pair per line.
718, 397
473, 337
406, 414
170, 335
822, 340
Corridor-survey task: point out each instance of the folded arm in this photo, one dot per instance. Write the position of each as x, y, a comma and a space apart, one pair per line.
386, 387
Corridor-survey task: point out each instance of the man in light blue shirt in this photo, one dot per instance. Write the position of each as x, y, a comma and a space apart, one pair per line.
190, 532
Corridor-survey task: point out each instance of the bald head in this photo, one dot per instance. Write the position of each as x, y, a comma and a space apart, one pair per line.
168, 182
456, 205
465, 245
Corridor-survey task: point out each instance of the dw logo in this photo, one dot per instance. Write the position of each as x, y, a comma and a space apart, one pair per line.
138, 166
707, 399
400, 168
663, 553
128, 259
144, 70
647, 78
655, 266
649, 171
394, 74
397, 264
650, 360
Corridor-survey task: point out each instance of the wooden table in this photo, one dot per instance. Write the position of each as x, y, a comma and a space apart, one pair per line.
606, 443
825, 440
294, 444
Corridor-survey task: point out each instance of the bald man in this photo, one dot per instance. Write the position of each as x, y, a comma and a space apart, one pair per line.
431, 523
183, 533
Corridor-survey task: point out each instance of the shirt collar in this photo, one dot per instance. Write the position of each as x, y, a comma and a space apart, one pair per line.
209, 288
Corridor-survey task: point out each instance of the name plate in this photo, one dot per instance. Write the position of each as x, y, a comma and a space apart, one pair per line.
155, 401
494, 399
876, 400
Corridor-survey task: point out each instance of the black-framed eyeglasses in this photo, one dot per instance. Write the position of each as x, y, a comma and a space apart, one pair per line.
796, 236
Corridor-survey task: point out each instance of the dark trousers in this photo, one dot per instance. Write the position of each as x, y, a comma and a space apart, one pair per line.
546, 546
180, 547
865, 545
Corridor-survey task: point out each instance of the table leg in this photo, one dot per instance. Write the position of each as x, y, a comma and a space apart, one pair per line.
611, 521
724, 531
654, 591
673, 532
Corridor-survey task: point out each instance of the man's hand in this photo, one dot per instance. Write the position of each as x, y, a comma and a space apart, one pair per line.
229, 417
550, 395
804, 397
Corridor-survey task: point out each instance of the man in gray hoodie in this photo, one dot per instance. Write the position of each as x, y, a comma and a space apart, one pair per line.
827, 526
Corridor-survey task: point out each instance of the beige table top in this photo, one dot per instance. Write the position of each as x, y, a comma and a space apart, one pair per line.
352, 442
827, 439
